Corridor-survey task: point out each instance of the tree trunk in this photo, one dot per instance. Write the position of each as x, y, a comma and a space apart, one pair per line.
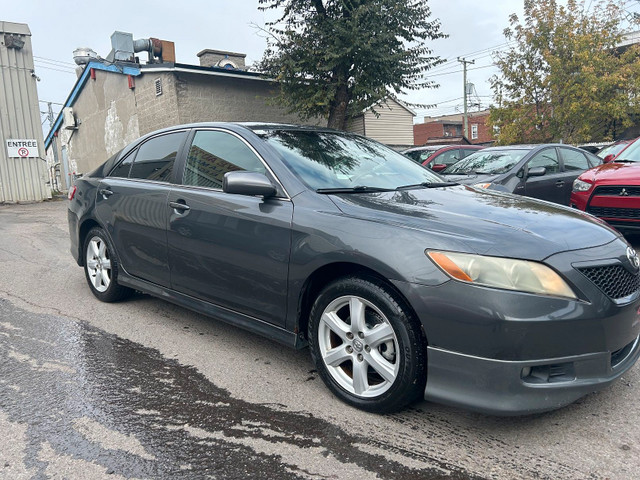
338, 109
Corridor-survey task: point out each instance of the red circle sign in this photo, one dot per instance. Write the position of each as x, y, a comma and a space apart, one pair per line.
23, 152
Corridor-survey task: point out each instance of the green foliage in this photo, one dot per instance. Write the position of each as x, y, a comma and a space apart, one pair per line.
564, 78
333, 58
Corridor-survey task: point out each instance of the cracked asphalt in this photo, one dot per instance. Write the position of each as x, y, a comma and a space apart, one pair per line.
146, 389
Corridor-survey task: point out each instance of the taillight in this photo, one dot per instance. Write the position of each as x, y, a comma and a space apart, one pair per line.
72, 192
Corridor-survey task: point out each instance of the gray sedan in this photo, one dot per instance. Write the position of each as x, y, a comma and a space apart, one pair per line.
402, 285
544, 171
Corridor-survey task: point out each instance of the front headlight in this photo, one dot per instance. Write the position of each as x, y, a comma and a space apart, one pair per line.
482, 185
581, 186
507, 273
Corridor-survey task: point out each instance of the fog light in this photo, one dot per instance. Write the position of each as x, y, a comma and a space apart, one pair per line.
526, 371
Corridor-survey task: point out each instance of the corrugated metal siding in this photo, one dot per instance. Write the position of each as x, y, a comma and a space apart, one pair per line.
393, 126
21, 179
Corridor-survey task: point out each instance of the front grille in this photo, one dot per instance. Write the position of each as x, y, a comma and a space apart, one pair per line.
614, 280
617, 190
609, 212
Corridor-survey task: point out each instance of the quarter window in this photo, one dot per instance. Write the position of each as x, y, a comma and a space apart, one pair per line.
156, 157
214, 153
574, 160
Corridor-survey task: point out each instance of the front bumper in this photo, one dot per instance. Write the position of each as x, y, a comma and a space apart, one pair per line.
510, 353
500, 387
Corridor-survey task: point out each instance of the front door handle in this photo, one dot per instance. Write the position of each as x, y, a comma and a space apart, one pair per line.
182, 207
105, 192
560, 183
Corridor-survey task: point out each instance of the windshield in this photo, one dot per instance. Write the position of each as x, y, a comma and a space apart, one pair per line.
631, 153
486, 162
614, 149
327, 160
419, 155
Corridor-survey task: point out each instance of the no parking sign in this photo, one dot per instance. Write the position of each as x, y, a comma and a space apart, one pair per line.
22, 148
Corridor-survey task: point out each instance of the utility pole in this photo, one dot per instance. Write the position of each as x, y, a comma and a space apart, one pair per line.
464, 62
51, 119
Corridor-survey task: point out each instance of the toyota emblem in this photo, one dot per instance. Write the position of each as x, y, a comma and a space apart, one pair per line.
633, 257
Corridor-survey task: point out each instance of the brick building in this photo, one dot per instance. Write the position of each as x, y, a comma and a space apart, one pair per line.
449, 129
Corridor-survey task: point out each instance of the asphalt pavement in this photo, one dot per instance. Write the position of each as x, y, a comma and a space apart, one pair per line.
146, 389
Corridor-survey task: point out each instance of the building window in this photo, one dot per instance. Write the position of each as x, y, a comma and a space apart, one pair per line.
158, 87
474, 131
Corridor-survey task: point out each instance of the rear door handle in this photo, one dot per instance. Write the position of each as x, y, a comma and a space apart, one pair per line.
560, 183
179, 206
105, 192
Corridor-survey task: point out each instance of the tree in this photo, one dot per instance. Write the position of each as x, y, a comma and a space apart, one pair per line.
565, 78
333, 58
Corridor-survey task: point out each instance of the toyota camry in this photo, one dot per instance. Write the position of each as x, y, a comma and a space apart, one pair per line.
401, 284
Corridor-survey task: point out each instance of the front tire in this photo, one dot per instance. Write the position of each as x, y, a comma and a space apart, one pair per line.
367, 345
101, 267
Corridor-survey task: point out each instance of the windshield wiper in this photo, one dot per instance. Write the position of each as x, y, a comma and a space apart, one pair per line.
623, 160
428, 185
356, 189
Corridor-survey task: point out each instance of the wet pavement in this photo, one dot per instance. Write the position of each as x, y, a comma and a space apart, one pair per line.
90, 396
145, 389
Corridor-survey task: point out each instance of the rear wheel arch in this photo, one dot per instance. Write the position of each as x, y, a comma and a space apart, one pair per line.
83, 231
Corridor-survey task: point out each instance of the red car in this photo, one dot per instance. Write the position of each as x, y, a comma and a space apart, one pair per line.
439, 157
612, 191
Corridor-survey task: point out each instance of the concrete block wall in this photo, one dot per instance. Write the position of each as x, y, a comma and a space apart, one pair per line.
203, 98
156, 111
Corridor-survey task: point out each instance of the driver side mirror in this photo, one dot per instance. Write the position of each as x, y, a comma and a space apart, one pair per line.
248, 183
537, 172
608, 158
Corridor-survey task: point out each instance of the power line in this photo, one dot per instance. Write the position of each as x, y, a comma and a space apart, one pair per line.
52, 60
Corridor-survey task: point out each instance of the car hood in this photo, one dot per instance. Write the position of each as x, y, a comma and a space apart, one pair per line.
614, 173
474, 220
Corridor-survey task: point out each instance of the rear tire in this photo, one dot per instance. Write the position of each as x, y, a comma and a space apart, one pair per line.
377, 361
101, 267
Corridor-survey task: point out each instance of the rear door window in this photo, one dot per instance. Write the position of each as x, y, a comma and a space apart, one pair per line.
156, 157
574, 160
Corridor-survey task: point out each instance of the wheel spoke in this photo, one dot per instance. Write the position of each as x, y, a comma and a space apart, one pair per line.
337, 356
94, 248
380, 334
101, 250
380, 364
335, 324
360, 381
106, 264
356, 312
97, 279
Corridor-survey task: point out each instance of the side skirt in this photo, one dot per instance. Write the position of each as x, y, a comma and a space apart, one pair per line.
246, 322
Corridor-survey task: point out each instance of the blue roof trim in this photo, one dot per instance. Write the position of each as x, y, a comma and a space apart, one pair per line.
124, 70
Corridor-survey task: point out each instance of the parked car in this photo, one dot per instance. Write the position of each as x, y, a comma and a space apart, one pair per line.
612, 191
402, 285
545, 171
608, 154
439, 157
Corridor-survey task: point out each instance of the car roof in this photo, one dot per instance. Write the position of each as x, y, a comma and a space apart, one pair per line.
438, 147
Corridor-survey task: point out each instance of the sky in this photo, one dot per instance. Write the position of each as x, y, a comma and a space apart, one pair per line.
475, 30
